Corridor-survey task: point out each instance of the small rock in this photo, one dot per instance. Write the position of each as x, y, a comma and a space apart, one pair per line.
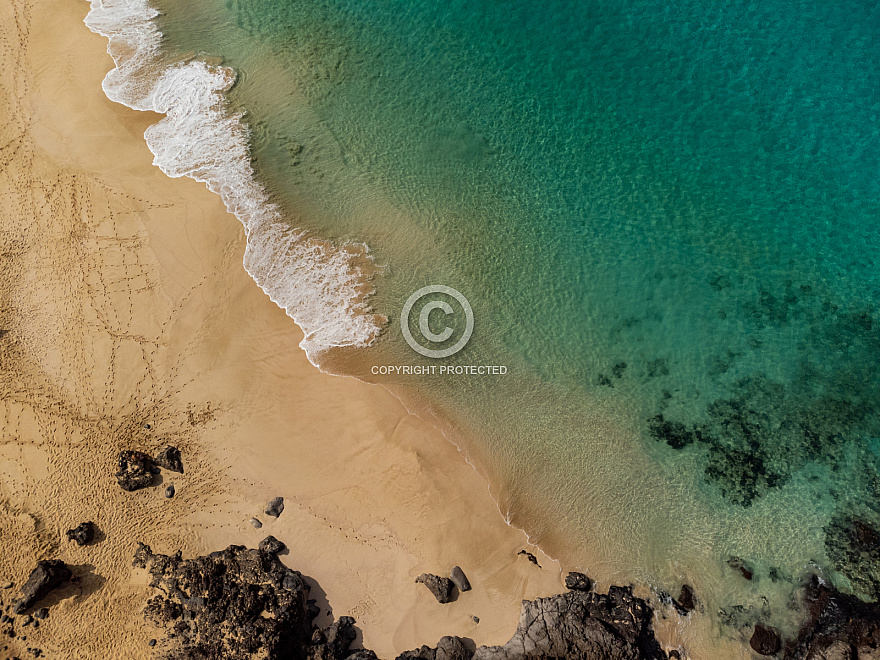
271, 545
48, 575
439, 586
27, 620
147, 426
459, 579
42, 613
152, 642
530, 557
475, 619
82, 534
169, 492
256, 523
135, 470
169, 458
765, 640
275, 507
578, 582
36, 624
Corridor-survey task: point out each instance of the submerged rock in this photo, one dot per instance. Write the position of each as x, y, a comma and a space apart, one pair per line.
439, 586
135, 470
82, 534
275, 507
48, 575
459, 579
765, 640
685, 602
170, 459
578, 582
740, 565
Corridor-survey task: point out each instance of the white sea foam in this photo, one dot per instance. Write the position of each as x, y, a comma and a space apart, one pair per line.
320, 285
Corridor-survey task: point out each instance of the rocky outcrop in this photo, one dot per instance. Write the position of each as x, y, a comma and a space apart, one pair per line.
685, 603
581, 625
242, 604
170, 459
239, 604
48, 575
135, 470
83, 534
839, 627
459, 579
441, 587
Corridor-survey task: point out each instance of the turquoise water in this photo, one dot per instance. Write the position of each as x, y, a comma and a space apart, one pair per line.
665, 217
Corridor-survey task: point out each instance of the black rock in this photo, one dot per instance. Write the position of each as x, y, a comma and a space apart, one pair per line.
475, 619
578, 582
48, 575
271, 545
169, 458
275, 507
135, 470
765, 640
439, 586
82, 534
530, 557
169, 492
459, 579
152, 642
685, 602
363, 654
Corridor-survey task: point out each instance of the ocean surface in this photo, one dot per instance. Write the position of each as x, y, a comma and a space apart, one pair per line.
663, 215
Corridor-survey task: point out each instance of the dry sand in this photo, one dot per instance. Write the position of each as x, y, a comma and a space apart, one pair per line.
124, 303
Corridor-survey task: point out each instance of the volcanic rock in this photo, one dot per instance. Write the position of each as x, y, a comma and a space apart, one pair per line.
578, 582
48, 575
82, 534
459, 579
765, 640
448, 648
135, 470
581, 625
439, 586
271, 545
685, 602
275, 507
169, 458
528, 555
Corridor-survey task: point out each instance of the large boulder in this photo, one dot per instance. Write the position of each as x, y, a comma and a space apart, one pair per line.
459, 579
441, 587
48, 575
578, 582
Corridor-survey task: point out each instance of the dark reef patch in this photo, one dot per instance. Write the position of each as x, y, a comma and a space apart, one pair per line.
853, 546
766, 429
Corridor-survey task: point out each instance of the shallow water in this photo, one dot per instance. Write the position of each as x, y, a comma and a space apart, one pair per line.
665, 220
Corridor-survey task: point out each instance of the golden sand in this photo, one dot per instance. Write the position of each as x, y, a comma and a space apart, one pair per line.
124, 303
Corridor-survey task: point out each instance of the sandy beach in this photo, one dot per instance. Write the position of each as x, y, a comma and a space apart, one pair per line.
128, 322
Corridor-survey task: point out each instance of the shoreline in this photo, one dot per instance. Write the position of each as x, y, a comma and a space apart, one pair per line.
126, 304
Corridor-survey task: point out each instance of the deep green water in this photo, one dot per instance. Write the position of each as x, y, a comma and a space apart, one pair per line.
665, 217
